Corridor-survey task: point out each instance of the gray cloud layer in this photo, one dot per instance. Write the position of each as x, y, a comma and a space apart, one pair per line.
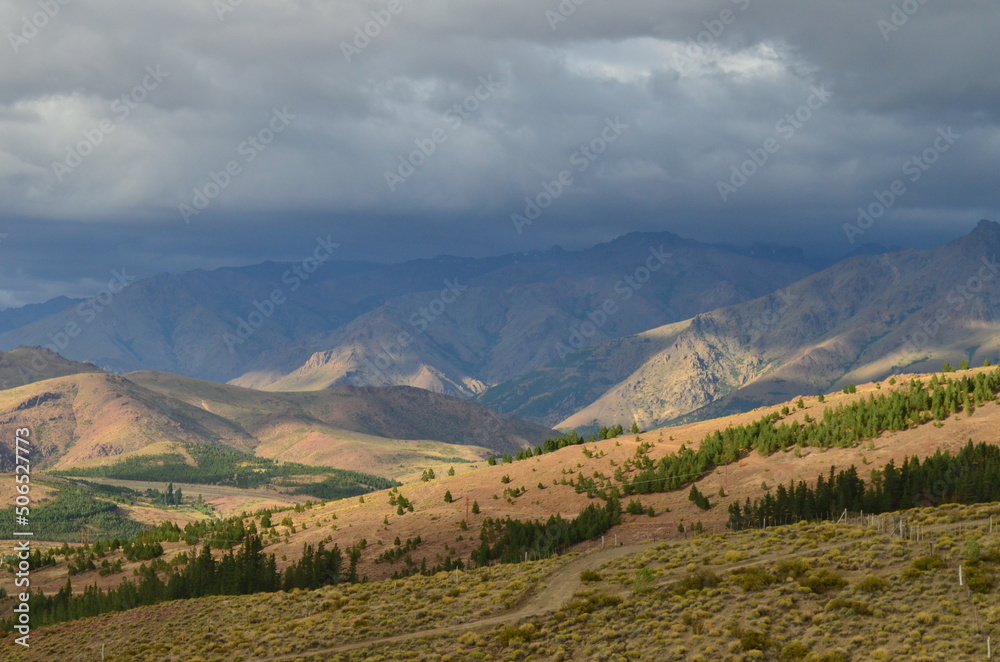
161, 95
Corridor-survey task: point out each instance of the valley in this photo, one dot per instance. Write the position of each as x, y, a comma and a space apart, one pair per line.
419, 532
699, 464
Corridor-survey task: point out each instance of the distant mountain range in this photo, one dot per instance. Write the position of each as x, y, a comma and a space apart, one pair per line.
451, 325
861, 320
649, 328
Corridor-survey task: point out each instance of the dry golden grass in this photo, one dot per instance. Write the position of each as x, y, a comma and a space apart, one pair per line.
813, 592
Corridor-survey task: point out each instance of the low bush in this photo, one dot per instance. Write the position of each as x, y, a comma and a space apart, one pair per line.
854, 606
873, 584
753, 578
822, 581
696, 581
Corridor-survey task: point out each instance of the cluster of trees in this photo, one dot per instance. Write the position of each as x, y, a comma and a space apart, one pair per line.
142, 551
170, 497
240, 572
343, 484
73, 510
553, 444
399, 550
508, 540
216, 465
699, 499
403, 505
844, 426
412, 568
971, 476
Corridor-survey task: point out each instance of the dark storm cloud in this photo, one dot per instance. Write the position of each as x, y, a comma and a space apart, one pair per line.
170, 100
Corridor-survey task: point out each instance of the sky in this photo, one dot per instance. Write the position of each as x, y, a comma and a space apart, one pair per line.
166, 136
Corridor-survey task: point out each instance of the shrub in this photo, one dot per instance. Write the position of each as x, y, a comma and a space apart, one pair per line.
696, 581
793, 568
512, 634
590, 576
591, 602
633, 508
822, 581
854, 606
979, 579
753, 578
873, 584
923, 564
793, 651
643, 582
751, 640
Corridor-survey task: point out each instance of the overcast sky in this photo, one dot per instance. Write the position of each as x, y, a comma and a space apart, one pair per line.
114, 113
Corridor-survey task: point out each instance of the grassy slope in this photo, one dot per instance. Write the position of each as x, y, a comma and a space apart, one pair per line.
437, 522
540, 610
346, 522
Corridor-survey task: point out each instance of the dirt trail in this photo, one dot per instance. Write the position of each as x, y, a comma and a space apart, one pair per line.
560, 585
564, 581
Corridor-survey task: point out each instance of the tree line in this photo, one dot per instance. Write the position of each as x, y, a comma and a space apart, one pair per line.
242, 571
215, 465
553, 444
844, 426
507, 540
971, 476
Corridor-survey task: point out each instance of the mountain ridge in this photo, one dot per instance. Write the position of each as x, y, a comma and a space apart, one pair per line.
448, 324
860, 320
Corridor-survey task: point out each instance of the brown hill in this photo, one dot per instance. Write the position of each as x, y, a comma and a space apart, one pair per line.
438, 522
95, 418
